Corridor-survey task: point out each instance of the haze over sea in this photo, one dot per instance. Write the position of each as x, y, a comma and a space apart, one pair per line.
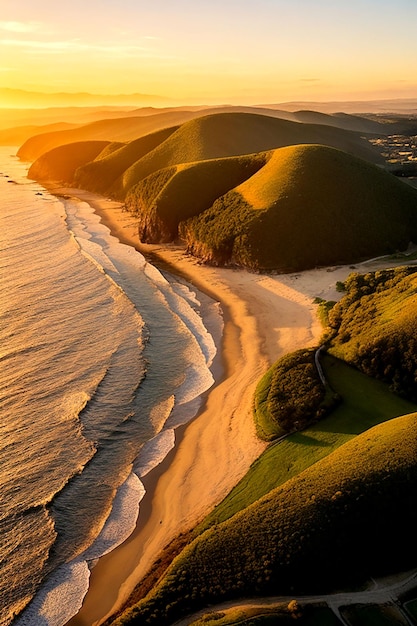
101, 357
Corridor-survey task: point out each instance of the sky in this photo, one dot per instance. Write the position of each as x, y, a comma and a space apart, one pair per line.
237, 51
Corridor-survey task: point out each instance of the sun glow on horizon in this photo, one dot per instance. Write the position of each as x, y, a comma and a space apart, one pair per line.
221, 51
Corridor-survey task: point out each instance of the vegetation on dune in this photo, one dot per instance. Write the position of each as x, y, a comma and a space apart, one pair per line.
309, 206
100, 175
234, 134
61, 163
169, 196
374, 327
338, 513
291, 396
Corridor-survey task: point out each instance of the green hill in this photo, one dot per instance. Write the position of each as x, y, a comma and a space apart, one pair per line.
129, 126
309, 206
121, 129
349, 516
374, 327
61, 163
234, 134
99, 175
171, 195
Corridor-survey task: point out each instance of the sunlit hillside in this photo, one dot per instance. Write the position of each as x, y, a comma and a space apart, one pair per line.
61, 163
321, 529
100, 175
308, 206
374, 327
233, 134
169, 196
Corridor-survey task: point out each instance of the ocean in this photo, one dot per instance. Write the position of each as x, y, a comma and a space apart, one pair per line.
102, 357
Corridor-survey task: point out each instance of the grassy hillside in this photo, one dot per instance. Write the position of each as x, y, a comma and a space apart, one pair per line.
134, 124
120, 129
349, 516
99, 175
234, 134
61, 163
309, 206
291, 396
363, 403
171, 195
374, 327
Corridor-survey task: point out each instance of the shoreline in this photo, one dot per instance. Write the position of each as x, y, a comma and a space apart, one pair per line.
265, 317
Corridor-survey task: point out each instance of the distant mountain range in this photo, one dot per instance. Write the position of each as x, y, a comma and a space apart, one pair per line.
19, 98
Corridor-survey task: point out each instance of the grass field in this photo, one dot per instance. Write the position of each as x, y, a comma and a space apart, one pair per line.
365, 403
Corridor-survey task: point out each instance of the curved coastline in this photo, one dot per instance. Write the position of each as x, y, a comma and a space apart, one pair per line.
265, 317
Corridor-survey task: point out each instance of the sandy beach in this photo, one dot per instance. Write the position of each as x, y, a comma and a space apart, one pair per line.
266, 316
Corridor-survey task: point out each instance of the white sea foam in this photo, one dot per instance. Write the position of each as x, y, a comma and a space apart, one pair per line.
122, 520
62, 596
154, 452
178, 313
59, 599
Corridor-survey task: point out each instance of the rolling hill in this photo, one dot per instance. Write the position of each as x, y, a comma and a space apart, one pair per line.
143, 121
350, 515
374, 328
61, 163
120, 129
99, 175
234, 134
171, 195
309, 206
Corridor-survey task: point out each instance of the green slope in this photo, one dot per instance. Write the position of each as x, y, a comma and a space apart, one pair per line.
234, 134
171, 195
374, 327
349, 516
100, 174
309, 206
120, 129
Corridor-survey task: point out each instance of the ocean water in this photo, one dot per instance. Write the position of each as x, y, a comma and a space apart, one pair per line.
101, 357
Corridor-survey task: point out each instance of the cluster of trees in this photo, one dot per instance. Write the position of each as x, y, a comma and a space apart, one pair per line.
291, 395
374, 327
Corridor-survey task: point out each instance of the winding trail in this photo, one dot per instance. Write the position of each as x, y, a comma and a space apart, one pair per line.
380, 594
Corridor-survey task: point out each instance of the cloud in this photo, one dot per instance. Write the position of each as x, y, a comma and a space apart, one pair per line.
76, 46
19, 27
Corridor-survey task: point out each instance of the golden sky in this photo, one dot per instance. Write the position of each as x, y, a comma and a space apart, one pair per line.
212, 51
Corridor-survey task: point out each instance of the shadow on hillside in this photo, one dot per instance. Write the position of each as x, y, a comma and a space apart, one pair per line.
307, 440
